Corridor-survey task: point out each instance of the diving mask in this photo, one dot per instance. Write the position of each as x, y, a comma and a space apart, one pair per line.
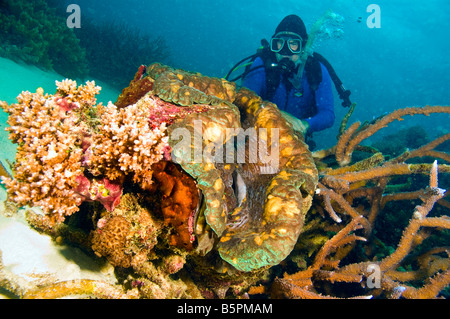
286, 43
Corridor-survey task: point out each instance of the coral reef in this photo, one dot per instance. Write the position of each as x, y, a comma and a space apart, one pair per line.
361, 192
391, 282
71, 150
355, 134
193, 205
49, 153
125, 142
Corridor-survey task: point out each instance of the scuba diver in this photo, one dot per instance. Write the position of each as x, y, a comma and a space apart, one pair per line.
302, 90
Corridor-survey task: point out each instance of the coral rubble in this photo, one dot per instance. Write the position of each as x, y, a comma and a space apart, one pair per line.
175, 186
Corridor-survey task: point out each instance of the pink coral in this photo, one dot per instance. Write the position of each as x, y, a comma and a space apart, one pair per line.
128, 143
49, 149
102, 190
61, 146
173, 264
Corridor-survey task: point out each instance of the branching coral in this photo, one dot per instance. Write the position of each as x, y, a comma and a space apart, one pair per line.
127, 143
355, 135
340, 189
49, 135
326, 267
65, 139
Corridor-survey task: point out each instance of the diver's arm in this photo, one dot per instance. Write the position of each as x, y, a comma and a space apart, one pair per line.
297, 124
324, 117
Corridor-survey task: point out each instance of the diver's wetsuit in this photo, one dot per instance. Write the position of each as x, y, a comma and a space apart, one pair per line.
314, 107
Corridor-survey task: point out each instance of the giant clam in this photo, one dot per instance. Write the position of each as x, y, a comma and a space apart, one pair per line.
253, 210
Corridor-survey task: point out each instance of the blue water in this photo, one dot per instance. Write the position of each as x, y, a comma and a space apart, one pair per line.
402, 63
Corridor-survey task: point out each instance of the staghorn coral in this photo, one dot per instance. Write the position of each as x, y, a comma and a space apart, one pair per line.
300, 285
355, 135
340, 190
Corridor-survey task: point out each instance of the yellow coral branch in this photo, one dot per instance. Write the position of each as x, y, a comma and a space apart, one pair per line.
348, 140
431, 289
410, 232
82, 287
390, 170
332, 244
